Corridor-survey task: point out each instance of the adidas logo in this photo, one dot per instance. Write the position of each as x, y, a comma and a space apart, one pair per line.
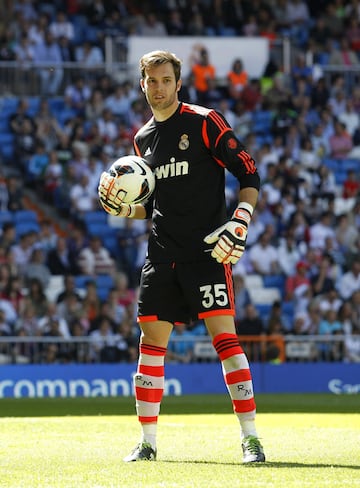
147, 152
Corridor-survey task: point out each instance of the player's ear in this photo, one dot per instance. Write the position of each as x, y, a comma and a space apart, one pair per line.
142, 85
178, 85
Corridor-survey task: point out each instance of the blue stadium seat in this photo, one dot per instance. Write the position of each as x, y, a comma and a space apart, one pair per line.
104, 281
26, 216
277, 281
95, 216
5, 216
25, 227
101, 230
7, 150
331, 163
350, 164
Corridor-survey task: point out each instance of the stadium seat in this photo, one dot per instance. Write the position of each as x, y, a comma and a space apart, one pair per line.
5, 216
104, 281
264, 296
253, 281
25, 227
331, 163
95, 216
25, 216
277, 281
350, 164
100, 229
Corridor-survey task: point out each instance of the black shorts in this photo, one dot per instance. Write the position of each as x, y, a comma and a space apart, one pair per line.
181, 292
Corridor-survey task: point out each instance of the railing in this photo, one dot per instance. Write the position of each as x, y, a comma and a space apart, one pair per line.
275, 349
25, 80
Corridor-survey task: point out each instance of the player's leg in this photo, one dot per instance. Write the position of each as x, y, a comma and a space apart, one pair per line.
149, 386
238, 380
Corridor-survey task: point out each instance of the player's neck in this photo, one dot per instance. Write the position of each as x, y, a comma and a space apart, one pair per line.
162, 115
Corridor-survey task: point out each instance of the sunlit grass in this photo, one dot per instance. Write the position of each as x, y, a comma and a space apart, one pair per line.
200, 450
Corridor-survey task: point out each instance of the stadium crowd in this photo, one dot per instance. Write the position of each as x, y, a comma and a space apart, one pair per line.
302, 130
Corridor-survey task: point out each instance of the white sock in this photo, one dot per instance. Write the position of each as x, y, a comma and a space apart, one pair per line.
149, 434
247, 426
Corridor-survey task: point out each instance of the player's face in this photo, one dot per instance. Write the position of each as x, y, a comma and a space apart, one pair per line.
161, 89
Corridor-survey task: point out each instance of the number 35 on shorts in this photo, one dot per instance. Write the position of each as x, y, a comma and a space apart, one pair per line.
214, 294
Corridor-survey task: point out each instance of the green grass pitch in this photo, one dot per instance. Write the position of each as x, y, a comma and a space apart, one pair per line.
310, 441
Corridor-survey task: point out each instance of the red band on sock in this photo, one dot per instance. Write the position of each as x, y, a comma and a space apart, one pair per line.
238, 376
227, 345
152, 395
242, 406
152, 350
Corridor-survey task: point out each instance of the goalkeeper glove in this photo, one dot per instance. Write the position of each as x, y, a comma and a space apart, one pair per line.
230, 238
109, 199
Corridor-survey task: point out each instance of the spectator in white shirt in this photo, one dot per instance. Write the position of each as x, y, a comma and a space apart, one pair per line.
62, 27
263, 256
321, 230
95, 259
350, 281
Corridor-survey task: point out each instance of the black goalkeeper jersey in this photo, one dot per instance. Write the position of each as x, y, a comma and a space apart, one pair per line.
188, 153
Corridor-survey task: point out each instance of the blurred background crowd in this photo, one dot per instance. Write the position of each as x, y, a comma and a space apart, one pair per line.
67, 270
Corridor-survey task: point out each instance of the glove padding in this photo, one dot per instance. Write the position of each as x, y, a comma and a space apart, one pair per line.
231, 237
109, 197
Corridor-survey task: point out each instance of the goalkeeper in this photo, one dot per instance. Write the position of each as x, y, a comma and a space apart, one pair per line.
193, 244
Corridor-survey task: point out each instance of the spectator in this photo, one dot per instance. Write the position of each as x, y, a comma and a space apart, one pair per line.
51, 74
37, 268
237, 79
152, 26
36, 166
62, 27
330, 325
77, 94
340, 142
95, 259
351, 185
329, 300
82, 196
119, 102
242, 297
289, 253
263, 256
46, 326
8, 235
343, 55
352, 346
349, 282
297, 279
22, 251
350, 117
324, 279
107, 125
94, 106
277, 322
89, 55
181, 345
48, 129
201, 71
251, 325
60, 261
69, 288
106, 346
322, 229
36, 297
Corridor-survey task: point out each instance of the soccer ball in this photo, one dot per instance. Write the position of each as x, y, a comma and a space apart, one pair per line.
135, 180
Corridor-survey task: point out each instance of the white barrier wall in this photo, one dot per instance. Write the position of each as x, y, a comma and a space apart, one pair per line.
254, 52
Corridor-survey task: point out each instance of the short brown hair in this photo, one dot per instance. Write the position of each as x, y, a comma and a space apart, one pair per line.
155, 58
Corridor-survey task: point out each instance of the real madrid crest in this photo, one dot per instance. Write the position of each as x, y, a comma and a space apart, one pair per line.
184, 142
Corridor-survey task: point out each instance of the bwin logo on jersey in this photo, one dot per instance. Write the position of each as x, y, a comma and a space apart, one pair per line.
174, 168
